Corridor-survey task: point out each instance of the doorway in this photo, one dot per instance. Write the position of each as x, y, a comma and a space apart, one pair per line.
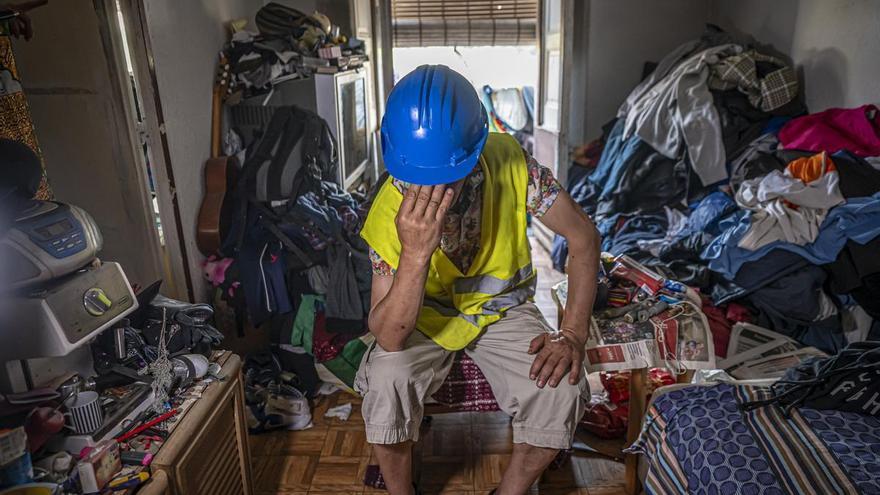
493, 45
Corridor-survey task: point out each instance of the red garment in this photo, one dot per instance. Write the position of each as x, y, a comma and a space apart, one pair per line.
719, 326
588, 155
606, 420
466, 388
835, 129
326, 345
737, 313
616, 383
721, 320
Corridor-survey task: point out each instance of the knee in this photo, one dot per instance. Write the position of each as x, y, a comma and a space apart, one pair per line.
565, 398
392, 372
394, 392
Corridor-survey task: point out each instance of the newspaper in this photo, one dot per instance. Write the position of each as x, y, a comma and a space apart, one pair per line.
755, 352
773, 366
677, 339
749, 342
745, 336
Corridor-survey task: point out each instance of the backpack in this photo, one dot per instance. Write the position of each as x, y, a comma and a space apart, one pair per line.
848, 381
293, 154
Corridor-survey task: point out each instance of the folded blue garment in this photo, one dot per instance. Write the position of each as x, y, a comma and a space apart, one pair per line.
857, 220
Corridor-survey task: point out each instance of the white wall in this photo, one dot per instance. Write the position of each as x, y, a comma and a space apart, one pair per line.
185, 38
836, 43
621, 36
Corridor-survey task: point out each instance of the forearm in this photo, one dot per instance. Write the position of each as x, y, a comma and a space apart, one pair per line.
393, 319
582, 268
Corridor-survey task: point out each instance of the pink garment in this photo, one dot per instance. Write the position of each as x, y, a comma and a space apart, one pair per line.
214, 269
853, 129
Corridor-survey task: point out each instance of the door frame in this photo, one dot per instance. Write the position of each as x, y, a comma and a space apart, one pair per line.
562, 152
174, 257
566, 50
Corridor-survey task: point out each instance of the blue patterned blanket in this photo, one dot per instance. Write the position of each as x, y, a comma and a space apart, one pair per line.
697, 440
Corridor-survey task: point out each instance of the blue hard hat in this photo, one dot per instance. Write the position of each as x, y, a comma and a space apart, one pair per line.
434, 127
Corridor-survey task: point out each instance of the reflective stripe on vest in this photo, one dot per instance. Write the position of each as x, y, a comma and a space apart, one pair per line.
458, 306
487, 284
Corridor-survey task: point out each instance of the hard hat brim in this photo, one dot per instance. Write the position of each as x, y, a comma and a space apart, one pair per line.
433, 175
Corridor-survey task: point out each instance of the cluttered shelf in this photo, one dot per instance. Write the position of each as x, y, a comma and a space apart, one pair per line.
198, 432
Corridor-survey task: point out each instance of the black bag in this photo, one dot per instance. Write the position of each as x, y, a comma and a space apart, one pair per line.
848, 381
294, 154
277, 21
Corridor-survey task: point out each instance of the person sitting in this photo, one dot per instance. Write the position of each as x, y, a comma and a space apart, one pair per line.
452, 270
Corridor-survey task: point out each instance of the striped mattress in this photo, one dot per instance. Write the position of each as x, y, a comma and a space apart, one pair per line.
697, 440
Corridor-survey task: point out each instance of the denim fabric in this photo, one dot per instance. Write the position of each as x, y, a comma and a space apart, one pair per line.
858, 220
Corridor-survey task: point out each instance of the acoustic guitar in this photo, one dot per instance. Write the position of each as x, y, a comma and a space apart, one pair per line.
221, 174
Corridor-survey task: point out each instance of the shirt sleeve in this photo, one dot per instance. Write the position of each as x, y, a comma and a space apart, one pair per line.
380, 266
543, 188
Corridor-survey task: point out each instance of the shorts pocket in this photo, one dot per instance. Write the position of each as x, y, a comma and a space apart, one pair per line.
361, 379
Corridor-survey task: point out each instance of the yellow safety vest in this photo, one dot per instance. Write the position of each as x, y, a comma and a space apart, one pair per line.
458, 306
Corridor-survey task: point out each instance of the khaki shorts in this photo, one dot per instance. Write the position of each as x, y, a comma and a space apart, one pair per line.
395, 384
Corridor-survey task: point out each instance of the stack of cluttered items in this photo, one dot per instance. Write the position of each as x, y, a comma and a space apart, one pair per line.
290, 259
755, 353
293, 253
641, 320
289, 45
714, 175
99, 433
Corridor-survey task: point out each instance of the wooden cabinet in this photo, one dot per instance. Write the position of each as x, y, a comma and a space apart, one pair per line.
208, 452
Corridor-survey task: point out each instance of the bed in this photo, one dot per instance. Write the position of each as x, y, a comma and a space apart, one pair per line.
696, 439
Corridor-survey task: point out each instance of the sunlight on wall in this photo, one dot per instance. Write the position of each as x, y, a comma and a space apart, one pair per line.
497, 66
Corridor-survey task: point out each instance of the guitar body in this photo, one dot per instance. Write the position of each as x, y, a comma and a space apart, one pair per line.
215, 213
221, 175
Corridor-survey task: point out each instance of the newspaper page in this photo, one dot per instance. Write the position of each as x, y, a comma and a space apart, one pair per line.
745, 336
759, 353
678, 339
749, 342
762, 351
773, 366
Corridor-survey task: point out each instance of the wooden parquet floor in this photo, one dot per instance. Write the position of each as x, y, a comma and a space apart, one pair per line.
462, 453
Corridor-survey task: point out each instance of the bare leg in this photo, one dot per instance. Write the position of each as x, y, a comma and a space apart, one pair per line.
526, 464
395, 462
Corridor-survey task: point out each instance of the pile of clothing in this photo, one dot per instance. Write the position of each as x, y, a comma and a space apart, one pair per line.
293, 237
713, 174
309, 245
289, 45
337, 348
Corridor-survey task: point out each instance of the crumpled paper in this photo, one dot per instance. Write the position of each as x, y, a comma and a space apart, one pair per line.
340, 412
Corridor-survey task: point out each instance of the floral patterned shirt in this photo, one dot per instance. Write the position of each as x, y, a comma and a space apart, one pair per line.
460, 240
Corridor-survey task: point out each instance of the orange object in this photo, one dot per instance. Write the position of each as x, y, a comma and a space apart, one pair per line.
810, 168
